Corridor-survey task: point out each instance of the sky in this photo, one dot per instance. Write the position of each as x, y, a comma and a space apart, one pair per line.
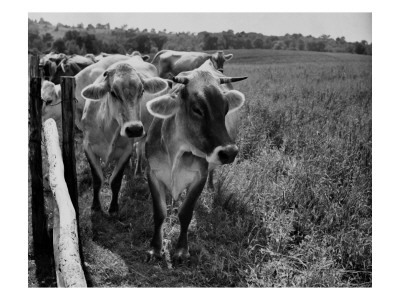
353, 26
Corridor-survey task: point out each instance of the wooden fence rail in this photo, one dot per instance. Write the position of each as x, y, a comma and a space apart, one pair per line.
65, 231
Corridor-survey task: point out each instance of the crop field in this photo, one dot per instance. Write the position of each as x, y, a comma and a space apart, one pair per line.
294, 209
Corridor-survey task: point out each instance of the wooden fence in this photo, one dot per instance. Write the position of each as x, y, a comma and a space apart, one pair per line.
66, 238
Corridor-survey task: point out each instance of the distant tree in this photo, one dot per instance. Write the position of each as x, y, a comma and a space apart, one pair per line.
43, 22
248, 44
47, 37
278, 45
360, 48
143, 43
316, 46
72, 47
341, 40
90, 27
80, 26
59, 45
258, 43
301, 45
210, 42
159, 40
269, 41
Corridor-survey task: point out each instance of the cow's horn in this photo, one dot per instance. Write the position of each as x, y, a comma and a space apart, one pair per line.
180, 79
231, 79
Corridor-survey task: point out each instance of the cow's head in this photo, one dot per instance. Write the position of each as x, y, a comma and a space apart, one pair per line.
51, 97
123, 88
200, 105
145, 57
219, 58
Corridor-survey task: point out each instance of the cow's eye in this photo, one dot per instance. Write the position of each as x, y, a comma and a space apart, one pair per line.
198, 111
47, 102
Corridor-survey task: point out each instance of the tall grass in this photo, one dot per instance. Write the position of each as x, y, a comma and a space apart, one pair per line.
297, 204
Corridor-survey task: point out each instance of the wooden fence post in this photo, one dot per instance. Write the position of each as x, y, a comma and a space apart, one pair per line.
41, 242
68, 144
65, 231
68, 104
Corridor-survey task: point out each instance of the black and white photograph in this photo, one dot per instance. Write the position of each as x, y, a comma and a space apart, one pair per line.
169, 156
201, 149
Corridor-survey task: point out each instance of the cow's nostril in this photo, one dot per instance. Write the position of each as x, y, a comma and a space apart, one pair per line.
134, 131
227, 155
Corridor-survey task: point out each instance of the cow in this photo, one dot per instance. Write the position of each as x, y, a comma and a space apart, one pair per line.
49, 63
187, 137
91, 57
101, 56
145, 57
51, 93
111, 119
170, 63
51, 97
70, 66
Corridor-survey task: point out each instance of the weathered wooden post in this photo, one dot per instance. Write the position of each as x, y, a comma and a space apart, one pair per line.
41, 240
68, 266
68, 141
68, 104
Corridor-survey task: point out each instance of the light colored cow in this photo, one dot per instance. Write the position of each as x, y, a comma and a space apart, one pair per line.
145, 57
170, 63
51, 93
51, 97
187, 137
111, 118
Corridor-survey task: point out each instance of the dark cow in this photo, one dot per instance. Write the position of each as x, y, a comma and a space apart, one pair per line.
187, 137
70, 66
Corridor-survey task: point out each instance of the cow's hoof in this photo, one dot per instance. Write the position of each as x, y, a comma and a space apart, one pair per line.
153, 255
181, 256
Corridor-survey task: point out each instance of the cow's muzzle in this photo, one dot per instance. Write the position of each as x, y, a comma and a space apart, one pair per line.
133, 129
223, 155
227, 154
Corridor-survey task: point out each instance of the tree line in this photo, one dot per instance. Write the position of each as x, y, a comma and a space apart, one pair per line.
44, 37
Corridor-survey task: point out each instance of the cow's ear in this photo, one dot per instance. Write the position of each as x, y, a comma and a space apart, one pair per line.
154, 85
228, 56
96, 91
170, 83
235, 100
163, 107
145, 57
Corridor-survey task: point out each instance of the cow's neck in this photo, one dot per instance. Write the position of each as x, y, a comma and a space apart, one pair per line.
174, 142
106, 121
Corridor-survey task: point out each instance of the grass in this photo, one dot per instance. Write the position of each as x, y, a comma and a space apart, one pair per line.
295, 209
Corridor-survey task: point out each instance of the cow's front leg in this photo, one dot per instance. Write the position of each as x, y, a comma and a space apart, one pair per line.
185, 214
97, 177
158, 194
116, 180
140, 157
